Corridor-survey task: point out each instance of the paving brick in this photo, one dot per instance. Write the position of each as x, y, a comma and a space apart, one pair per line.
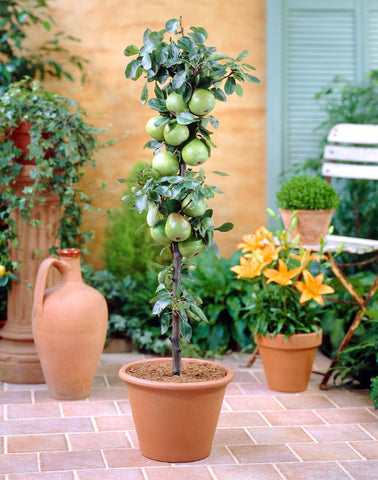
109, 393
362, 470
350, 399
88, 409
98, 440
53, 461
371, 428
43, 476
324, 452
178, 473
231, 436
114, 423
292, 418
219, 455
115, 381
269, 435
337, 433
347, 415
262, 453
246, 472
312, 471
369, 450
240, 419
251, 404
18, 463
124, 406
305, 402
113, 474
45, 425
127, 457
36, 443
11, 397
48, 410
233, 390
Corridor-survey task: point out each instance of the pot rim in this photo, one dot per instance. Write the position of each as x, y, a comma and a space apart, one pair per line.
310, 339
130, 379
320, 210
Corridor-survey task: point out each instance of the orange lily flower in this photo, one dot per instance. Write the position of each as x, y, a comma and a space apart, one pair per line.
265, 255
282, 276
256, 240
306, 257
248, 268
313, 288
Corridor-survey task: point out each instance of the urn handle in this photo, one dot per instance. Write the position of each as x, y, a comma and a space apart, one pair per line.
40, 283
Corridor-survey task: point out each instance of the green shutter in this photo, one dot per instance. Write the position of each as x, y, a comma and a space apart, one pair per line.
309, 42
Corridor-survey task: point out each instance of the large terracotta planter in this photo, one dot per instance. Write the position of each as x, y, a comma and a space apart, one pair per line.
311, 225
69, 325
175, 422
288, 363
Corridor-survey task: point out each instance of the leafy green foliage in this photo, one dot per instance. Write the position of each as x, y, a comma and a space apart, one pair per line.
303, 192
48, 59
63, 142
374, 391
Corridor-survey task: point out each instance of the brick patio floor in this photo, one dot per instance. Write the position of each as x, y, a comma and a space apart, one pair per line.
262, 435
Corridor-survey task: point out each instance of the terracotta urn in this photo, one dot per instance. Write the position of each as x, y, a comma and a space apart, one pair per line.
69, 323
175, 422
312, 225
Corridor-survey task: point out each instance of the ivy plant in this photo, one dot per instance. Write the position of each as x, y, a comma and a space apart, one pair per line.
187, 79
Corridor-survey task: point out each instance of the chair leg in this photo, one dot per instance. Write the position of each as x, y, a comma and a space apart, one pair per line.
253, 358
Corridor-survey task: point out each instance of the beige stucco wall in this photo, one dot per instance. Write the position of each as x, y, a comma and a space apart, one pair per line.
105, 27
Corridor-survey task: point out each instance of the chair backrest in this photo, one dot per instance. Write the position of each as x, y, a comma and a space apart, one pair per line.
354, 152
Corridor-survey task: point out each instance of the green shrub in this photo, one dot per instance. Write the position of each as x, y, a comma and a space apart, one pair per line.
374, 391
303, 192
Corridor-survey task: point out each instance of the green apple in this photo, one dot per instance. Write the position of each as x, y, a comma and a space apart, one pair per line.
191, 247
193, 208
175, 103
158, 233
166, 163
153, 131
201, 102
177, 227
195, 152
175, 134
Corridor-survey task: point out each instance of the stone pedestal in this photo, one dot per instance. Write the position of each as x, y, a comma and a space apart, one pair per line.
19, 362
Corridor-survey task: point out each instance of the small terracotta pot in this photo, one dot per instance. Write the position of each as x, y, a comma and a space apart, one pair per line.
288, 363
311, 226
175, 422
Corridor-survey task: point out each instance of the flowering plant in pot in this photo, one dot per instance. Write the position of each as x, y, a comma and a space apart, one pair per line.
307, 204
284, 304
188, 77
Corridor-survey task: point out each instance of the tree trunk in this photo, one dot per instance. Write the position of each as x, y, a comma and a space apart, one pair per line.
176, 331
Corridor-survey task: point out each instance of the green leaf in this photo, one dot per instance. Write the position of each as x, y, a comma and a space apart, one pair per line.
144, 94
178, 79
217, 172
242, 55
186, 44
251, 78
218, 94
200, 30
225, 227
160, 305
239, 91
141, 203
131, 50
171, 25
157, 104
213, 122
230, 86
47, 25
186, 330
165, 322
198, 38
132, 67
185, 118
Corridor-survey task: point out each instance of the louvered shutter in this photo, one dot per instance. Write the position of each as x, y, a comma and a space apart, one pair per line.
309, 42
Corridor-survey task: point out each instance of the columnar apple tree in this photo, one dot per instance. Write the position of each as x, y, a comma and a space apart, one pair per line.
188, 78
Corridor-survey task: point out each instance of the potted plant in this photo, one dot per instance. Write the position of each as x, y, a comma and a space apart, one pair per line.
46, 142
309, 202
177, 408
283, 305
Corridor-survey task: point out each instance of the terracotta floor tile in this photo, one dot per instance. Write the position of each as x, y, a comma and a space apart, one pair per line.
244, 376
251, 404
219, 455
233, 390
53, 461
324, 452
36, 443
18, 463
240, 419
43, 476
128, 457
337, 433
10, 397
262, 453
1, 445
312, 471
268, 435
105, 368
305, 402
88, 409
99, 381
362, 470
48, 410
246, 472
98, 440
292, 418
351, 399
45, 425
178, 473
114, 474
369, 450
109, 393
115, 381
124, 406
347, 415
231, 436
114, 423
371, 428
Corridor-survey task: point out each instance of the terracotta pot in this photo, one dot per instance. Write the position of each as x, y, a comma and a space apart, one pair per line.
312, 224
288, 364
175, 422
69, 326
21, 138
